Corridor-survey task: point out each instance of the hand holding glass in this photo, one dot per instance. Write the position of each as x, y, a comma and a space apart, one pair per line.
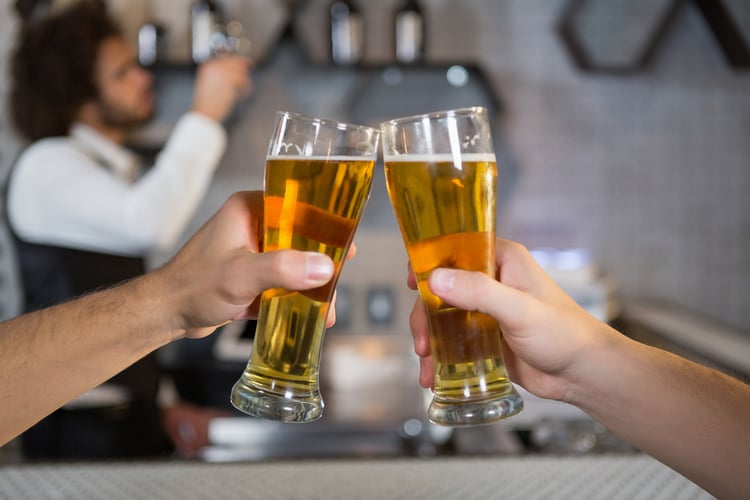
441, 177
318, 180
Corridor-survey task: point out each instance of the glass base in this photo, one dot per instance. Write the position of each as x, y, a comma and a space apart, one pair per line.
262, 404
475, 412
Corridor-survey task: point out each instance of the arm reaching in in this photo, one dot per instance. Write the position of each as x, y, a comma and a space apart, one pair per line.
219, 84
692, 418
50, 356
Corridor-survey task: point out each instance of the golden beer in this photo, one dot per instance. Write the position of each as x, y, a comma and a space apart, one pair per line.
310, 204
446, 212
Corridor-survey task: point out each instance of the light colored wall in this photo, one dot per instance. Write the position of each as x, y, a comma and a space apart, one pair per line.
651, 171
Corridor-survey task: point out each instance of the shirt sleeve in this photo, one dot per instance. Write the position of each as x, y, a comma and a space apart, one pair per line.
60, 196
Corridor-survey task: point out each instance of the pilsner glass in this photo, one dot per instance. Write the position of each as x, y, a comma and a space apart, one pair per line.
441, 177
318, 180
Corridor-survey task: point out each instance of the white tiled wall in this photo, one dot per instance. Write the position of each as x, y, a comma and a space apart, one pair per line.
651, 170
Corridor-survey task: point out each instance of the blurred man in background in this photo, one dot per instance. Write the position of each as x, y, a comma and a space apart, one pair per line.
84, 213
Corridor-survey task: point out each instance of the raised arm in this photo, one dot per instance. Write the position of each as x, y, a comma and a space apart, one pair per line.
51, 356
692, 418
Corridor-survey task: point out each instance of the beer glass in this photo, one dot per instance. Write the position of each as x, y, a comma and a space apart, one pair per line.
317, 181
441, 178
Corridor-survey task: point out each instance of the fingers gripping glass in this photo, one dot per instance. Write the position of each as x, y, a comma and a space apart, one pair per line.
317, 183
441, 177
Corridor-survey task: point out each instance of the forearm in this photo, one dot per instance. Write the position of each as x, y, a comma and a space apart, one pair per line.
51, 356
694, 419
99, 211
166, 198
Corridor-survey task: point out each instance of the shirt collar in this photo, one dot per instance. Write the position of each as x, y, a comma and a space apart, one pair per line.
121, 162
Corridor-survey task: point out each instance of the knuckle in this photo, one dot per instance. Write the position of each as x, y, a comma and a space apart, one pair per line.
279, 263
417, 319
517, 247
476, 289
521, 248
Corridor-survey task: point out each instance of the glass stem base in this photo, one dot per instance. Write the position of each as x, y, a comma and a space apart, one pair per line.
260, 403
485, 411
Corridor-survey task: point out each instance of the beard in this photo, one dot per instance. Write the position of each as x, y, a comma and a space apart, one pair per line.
123, 119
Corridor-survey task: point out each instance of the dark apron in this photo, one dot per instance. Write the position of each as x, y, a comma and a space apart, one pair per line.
51, 275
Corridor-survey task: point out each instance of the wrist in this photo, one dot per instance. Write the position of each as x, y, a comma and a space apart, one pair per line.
206, 112
157, 299
596, 370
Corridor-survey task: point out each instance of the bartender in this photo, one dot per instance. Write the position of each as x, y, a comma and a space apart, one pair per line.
84, 214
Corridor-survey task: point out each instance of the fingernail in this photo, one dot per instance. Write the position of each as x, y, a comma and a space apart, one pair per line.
442, 280
318, 267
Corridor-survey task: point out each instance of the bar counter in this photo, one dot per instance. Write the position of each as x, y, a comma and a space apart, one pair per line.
626, 476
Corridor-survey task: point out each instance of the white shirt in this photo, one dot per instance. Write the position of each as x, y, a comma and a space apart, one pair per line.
82, 191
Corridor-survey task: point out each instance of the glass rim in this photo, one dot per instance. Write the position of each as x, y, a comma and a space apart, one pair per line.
435, 115
327, 122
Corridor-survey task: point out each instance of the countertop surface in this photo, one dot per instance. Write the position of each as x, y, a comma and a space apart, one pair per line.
630, 476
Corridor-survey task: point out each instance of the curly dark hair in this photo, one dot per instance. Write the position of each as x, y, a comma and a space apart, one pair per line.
52, 72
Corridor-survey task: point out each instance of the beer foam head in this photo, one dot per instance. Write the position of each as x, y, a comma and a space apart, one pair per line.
323, 158
441, 158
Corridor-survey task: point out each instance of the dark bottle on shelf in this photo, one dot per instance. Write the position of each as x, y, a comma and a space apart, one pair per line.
207, 34
347, 32
409, 32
